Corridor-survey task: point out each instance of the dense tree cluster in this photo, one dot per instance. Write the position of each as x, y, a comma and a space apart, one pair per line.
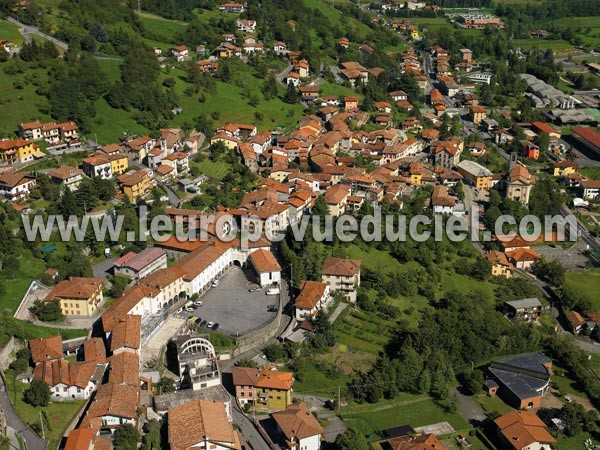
465, 328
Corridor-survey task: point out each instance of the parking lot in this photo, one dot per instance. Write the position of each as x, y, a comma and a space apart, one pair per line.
571, 258
236, 310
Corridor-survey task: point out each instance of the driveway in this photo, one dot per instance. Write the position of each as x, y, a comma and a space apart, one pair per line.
33, 441
101, 269
468, 408
236, 310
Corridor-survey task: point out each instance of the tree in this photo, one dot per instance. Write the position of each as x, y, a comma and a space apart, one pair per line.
38, 393
245, 362
152, 438
551, 271
291, 94
126, 437
118, 285
351, 440
47, 311
166, 385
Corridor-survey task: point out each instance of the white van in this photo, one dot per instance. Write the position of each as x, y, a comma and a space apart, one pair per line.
273, 291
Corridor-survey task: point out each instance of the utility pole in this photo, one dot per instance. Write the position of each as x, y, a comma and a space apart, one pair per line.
140, 7
339, 399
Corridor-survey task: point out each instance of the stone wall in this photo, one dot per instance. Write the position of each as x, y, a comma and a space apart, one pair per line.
6, 352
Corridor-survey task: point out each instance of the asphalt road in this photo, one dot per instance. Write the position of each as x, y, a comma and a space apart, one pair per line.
33, 441
27, 30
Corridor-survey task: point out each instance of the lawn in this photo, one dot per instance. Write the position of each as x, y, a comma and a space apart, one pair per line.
414, 410
364, 332
60, 414
164, 29
587, 284
591, 172
338, 19
214, 170
316, 382
492, 404
535, 43
112, 68
10, 32
570, 443
430, 22
18, 100
111, 123
30, 268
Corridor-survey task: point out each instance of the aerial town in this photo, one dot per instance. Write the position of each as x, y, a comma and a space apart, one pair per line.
178, 184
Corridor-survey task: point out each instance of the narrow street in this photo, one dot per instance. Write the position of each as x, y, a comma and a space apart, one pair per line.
33, 441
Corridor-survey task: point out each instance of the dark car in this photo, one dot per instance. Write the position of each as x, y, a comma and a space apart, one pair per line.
272, 308
215, 327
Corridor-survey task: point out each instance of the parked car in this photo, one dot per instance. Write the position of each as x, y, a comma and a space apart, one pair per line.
189, 309
254, 289
273, 291
198, 304
210, 324
272, 308
203, 323
215, 327
215, 283
198, 321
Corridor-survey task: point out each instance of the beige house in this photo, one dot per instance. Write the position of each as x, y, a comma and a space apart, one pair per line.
336, 198
77, 296
501, 267
342, 275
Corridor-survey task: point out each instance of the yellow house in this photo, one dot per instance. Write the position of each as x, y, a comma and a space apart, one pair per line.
136, 184
501, 267
16, 150
273, 389
414, 34
229, 142
118, 163
564, 168
77, 296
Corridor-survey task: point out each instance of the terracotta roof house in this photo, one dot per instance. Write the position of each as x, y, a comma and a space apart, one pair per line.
244, 380
77, 296
126, 334
313, 296
69, 380
268, 389
418, 442
501, 266
342, 275
201, 424
523, 257
576, 321
265, 265
46, 349
522, 430
336, 198
299, 428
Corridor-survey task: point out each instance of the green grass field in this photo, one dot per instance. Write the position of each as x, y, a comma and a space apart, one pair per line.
337, 18
167, 30
60, 414
591, 172
431, 22
213, 170
535, 43
414, 410
587, 284
18, 100
492, 404
10, 32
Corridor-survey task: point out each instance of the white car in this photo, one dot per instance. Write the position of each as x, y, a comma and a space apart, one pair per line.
198, 304
189, 309
273, 291
210, 324
215, 283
